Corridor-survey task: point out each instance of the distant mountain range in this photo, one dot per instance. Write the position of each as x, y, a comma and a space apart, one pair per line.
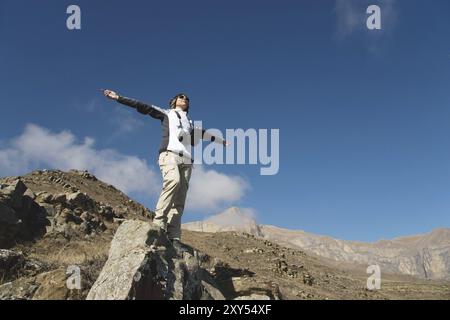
424, 256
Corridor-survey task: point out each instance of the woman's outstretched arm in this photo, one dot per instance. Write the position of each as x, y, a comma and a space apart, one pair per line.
205, 135
141, 107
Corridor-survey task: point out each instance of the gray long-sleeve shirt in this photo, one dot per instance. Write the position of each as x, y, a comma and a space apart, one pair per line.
178, 132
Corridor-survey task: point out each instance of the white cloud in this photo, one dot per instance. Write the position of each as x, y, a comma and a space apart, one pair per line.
38, 147
210, 189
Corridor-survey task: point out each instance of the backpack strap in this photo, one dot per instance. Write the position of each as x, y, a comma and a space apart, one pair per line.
178, 115
179, 119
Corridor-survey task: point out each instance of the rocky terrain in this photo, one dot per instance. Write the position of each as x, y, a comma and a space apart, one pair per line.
50, 220
54, 222
426, 256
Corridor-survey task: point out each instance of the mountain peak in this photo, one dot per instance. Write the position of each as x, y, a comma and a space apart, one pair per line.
234, 216
232, 219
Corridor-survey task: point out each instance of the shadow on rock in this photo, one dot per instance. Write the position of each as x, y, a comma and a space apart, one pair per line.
21, 218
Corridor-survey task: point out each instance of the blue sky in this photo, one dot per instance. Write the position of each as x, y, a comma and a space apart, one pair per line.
363, 115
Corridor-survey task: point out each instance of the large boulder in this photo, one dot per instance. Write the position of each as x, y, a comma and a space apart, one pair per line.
9, 224
143, 264
10, 198
14, 193
81, 200
21, 217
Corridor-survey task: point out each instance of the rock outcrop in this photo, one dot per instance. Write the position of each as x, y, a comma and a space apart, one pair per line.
21, 218
143, 264
53, 202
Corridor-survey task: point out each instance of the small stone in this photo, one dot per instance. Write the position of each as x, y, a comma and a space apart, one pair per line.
86, 227
86, 216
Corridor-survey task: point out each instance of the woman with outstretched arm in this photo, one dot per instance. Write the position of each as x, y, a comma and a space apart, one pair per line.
175, 159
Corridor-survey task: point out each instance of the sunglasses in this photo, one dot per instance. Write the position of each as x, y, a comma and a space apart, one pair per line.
183, 97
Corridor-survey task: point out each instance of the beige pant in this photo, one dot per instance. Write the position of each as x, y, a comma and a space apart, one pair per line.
170, 206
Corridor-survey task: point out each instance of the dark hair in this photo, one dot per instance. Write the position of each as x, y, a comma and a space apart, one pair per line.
174, 99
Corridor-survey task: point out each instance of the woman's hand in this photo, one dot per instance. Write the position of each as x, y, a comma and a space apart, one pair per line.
111, 94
